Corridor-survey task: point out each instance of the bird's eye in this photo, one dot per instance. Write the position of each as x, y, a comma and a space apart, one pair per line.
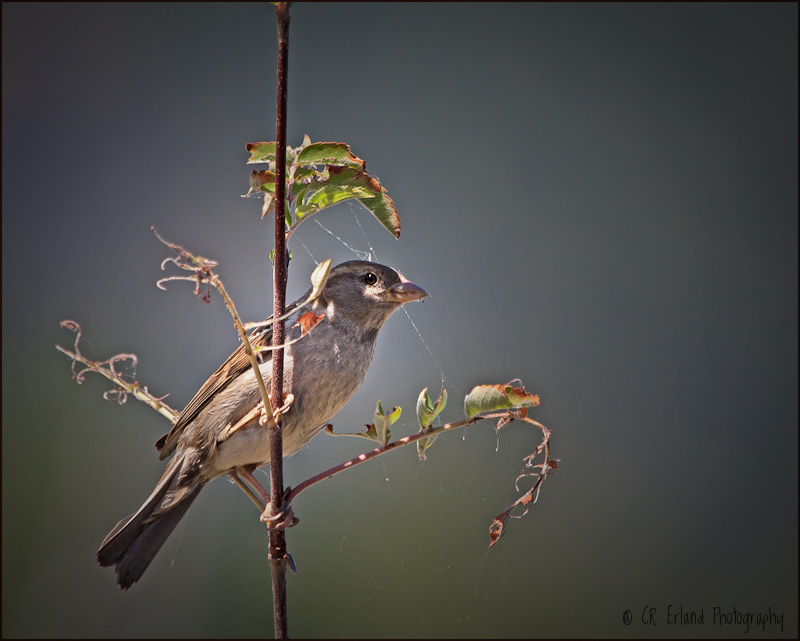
370, 278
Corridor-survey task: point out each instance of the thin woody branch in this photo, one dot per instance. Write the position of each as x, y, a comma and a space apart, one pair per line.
202, 269
378, 451
106, 369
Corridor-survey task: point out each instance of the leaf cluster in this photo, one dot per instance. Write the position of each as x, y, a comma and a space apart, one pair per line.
319, 175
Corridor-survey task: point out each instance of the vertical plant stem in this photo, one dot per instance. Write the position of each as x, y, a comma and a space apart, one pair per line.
277, 538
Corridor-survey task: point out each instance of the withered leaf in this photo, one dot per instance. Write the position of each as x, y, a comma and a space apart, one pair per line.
490, 398
329, 153
307, 321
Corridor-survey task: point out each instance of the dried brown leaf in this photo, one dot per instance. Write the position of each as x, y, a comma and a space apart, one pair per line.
307, 321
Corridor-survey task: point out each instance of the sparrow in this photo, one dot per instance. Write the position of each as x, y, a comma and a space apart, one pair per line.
219, 433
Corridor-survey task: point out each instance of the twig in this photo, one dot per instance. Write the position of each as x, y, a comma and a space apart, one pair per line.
106, 369
378, 451
496, 529
527, 500
203, 273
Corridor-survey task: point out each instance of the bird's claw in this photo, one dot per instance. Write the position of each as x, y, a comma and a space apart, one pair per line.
280, 521
287, 403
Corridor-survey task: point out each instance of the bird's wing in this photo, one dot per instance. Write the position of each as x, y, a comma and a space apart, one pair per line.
236, 364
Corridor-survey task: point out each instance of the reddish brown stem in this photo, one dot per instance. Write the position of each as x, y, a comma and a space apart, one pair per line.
277, 538
378, 451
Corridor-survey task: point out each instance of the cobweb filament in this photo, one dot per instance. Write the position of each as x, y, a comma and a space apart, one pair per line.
308, 251
430, 353
372, 255
359, 254
372, 251
416, 329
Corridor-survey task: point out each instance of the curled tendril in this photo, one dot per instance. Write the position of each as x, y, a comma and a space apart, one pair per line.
73, 326
116, 395
198, 265
110, 364
109, 368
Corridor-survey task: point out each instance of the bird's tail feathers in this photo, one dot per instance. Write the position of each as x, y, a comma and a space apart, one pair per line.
136, 539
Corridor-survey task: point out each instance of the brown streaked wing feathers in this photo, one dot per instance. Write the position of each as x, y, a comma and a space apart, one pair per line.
236, 364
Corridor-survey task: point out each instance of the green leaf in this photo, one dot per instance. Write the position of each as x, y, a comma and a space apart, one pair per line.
272, 260
329, 153
384, 210
291, 157
318, 199
427, 410
269, 204
265, 152
490, 398
261, 151
383, 420
380, 205
333, 175
311, 191
422, 445
269, 207
303, 177
262, 181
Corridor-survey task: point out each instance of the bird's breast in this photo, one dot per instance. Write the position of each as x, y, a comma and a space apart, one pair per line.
323, 380
322, 374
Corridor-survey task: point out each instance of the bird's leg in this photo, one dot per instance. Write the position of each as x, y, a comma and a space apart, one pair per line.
246, 473
250, 494
230, 429
261, 498
258, 495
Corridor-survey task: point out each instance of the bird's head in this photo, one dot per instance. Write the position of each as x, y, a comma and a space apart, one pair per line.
367, 293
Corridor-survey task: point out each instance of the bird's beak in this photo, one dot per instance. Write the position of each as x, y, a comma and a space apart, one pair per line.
405, 292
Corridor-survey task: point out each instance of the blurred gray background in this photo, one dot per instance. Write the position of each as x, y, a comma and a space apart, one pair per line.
601, 200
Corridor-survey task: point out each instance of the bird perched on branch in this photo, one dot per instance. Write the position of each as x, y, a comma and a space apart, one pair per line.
219, 432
